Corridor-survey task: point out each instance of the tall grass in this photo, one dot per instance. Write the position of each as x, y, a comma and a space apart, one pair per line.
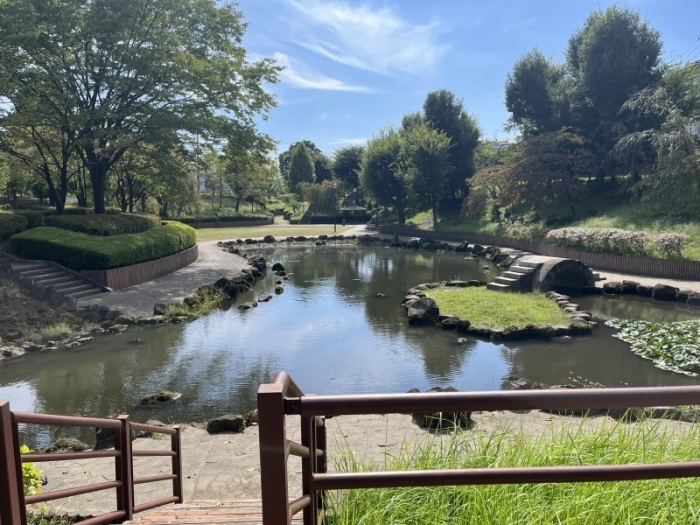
638, 502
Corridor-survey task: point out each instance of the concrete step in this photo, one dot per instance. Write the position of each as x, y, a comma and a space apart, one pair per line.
50, 280
529, 264
597, 277
521, 269
68, 284
500, 287
76, 296
507, 280
40, 273
514, 275
76, 287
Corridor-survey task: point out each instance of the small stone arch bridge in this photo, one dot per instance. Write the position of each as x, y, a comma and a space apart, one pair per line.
539, 272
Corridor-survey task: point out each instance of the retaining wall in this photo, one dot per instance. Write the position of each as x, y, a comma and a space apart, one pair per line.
118, 278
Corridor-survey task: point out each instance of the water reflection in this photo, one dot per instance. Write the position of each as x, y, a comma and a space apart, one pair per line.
332, 332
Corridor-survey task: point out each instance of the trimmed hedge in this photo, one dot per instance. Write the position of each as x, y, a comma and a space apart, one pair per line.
96, 224
11, 223
34, 217
239, 217
80, 251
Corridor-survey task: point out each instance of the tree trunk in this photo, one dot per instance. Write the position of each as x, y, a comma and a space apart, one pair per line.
98, 177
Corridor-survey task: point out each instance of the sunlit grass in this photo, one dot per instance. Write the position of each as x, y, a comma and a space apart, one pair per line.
56, 331
279, 232
639, 502
491, 309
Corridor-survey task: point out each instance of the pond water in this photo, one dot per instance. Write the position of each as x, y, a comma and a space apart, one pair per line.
332, 332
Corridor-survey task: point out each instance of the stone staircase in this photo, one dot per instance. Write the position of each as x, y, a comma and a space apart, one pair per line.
48, 281
517, 278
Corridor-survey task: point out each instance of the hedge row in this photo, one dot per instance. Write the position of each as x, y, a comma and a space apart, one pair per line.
104, 225
239, 217
80, 251
11, 223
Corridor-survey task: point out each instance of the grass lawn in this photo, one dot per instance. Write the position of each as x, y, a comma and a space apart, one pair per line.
490, 309
279, 232
614, 503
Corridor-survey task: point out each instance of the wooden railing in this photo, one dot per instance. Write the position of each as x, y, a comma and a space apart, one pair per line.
282, 398
664, 268
13, 502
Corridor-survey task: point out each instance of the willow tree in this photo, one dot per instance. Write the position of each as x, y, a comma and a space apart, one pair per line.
111, 74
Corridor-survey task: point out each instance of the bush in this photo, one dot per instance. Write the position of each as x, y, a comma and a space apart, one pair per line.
80, 251
97, 224
608, 240
34, 217
31, 476
229, 217
671, 244
11, 223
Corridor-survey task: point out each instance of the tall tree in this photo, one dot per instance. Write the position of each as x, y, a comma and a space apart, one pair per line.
286, 156
426, 157
614, 55
323, 168
301, 167
346, 165
443, 112
382, 175
115, 73
534, 95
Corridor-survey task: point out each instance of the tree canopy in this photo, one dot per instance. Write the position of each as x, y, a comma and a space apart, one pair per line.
94, 78
301, 167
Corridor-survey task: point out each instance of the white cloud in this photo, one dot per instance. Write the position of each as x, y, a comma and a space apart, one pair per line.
301, 77
350, 142
358, 36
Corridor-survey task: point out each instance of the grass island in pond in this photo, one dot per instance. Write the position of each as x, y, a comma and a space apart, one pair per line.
490, 309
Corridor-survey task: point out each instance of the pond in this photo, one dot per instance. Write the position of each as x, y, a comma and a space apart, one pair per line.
333, 333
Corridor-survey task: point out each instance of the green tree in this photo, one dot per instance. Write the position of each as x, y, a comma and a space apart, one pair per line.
114, 73
285, 157
301, 167
347, 163
426, 157
247, 169
534, 95
382, 174
443, 112
614, 55
323, 168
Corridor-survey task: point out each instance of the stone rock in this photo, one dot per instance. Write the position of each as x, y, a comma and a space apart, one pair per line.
156, 319
123, 319
66, 444
683, 295
258, 262
694, 299
613, 288
279, 289
299, 238
117, 328
251, 418
462, 247
269, 239
442, 420
160, 309
226, 423
278, 267
423, 311
477, 249
520, 383
449, 323
629, 287
264, 298
664, 292
164, 396
227, 286
413, 243
463, 326
644, 290
457, 284
247, 305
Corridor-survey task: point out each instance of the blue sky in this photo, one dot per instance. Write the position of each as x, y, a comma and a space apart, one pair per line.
354, 67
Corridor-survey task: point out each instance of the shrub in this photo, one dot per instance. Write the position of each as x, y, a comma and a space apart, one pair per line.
228, 217
31, 476
34, 217
97, 224
11, 223
671, 244
80, 251
70, 211
609, 240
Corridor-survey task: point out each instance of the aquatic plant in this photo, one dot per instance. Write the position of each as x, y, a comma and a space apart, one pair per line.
673, 346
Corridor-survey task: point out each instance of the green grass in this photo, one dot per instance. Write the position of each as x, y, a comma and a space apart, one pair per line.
279, 232
490, 309
638, 502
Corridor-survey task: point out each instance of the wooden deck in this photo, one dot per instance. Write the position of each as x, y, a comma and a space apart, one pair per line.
235, 512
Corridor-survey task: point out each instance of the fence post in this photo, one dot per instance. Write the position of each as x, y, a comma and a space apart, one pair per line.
12, 509
321, 443
176, 446
309, 468
124, 468
273, 455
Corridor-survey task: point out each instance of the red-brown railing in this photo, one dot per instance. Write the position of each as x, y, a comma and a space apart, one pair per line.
282, 397
13, 501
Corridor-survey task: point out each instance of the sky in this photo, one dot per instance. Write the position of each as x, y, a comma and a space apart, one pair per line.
355, 67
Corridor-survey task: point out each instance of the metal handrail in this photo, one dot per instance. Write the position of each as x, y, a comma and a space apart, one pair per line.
12, 500
274, 405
